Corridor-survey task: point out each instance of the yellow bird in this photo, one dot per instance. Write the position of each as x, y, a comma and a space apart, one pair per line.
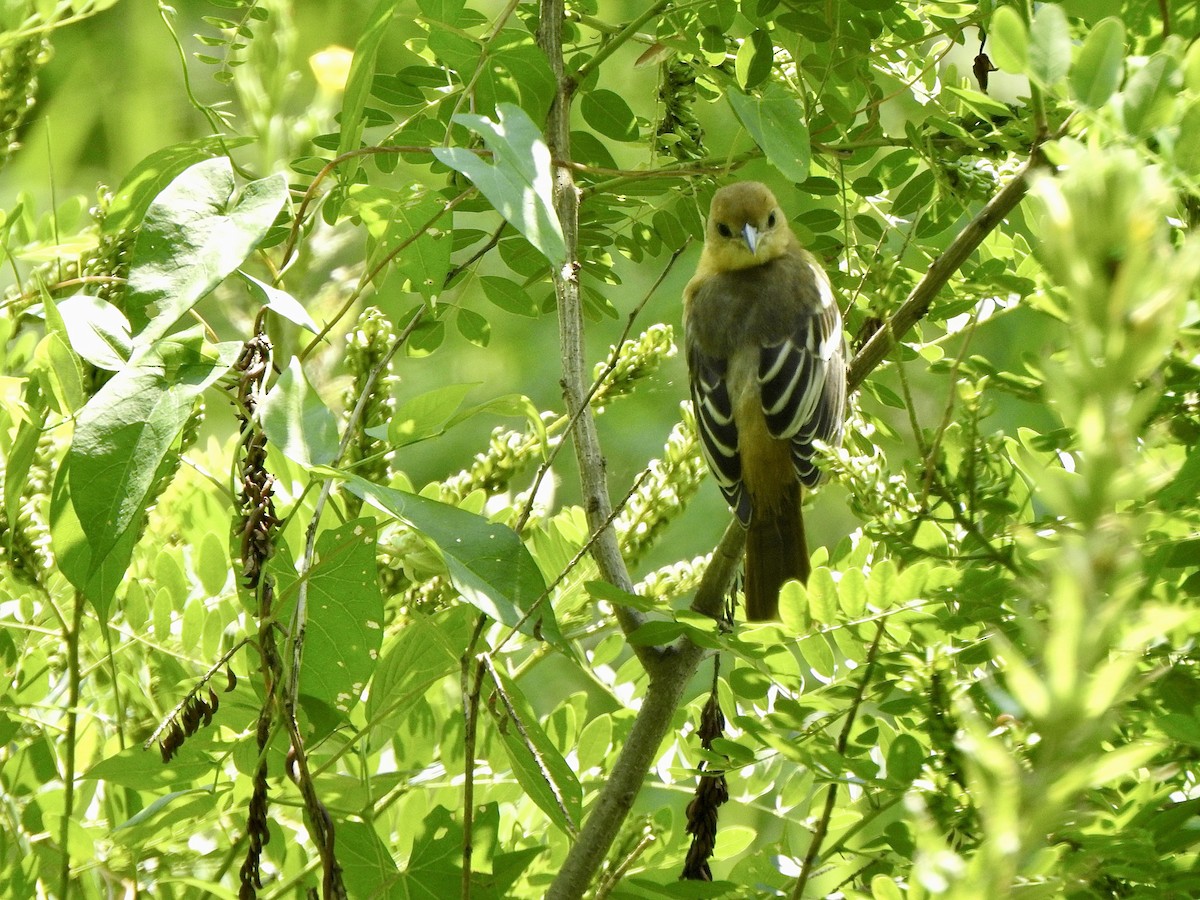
767, 372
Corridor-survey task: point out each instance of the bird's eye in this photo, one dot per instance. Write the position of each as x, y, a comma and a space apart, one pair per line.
771, 220
723, 230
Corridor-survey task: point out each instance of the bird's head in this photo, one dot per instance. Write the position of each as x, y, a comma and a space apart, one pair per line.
746, 227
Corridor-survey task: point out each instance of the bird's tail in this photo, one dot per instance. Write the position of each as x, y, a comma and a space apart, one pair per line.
775, 551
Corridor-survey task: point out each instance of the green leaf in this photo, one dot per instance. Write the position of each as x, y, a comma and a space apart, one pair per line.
197, 231
794, 607
150, 177
510, 296
1097, 71
124, 434
358, 85
143, 770
1008, 41
487, 563
279, 302
1187, 147
904, 759
427, 415
367, 866
609, 114
755, 58
822, 596
396, 220
602, 590
816, 652
59, 370
1049, 46
538, 765
980, 104
20, 454
345, 617
422, 652
518, 183
474, 327
776, 123
1149, 96
296, 420
98, 331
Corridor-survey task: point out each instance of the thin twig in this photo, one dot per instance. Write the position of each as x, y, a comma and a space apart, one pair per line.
814, 847
470, 692
613, 359
916, 305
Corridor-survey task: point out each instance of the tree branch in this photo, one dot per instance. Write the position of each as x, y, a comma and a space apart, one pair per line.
593, 481
916, 305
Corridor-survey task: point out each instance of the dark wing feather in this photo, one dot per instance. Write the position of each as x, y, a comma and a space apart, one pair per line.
718, 432
803, 383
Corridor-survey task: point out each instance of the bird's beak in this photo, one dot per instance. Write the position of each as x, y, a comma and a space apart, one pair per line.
750, 234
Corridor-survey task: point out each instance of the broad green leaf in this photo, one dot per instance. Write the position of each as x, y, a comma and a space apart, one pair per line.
60, 372
296, 420
980, 104
98, 331
1008, 41
1049, 46
794, 607
345, 617
424, 651
822, 596
609, 114
143, 770
1097, 71
884, 888
755, 57
538, 765
367, 867
20, 454
98, 583
151, 176
472, 326
776, 123
437, 411
916, 193
905, 758
1187, 147
442, 10
510, 296
816, 652
399, 225
196, 232
1150, 94
123, 437
518, 182
279, 302
881, 585
852, 592
427, 414
358, 84
487, 563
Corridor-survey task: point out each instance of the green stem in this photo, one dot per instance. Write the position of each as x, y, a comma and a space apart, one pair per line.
618, 40
71, 638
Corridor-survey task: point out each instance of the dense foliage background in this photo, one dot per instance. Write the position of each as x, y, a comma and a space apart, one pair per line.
301, 301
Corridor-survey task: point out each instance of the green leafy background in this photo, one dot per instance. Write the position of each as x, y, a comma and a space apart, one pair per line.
988, 688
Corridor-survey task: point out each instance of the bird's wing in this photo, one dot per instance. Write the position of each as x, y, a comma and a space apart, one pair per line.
718, 431
803, 384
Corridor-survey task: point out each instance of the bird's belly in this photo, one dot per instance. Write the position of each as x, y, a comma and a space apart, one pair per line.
767, 469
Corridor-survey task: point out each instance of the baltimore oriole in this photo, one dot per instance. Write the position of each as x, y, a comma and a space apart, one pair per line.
767, 371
